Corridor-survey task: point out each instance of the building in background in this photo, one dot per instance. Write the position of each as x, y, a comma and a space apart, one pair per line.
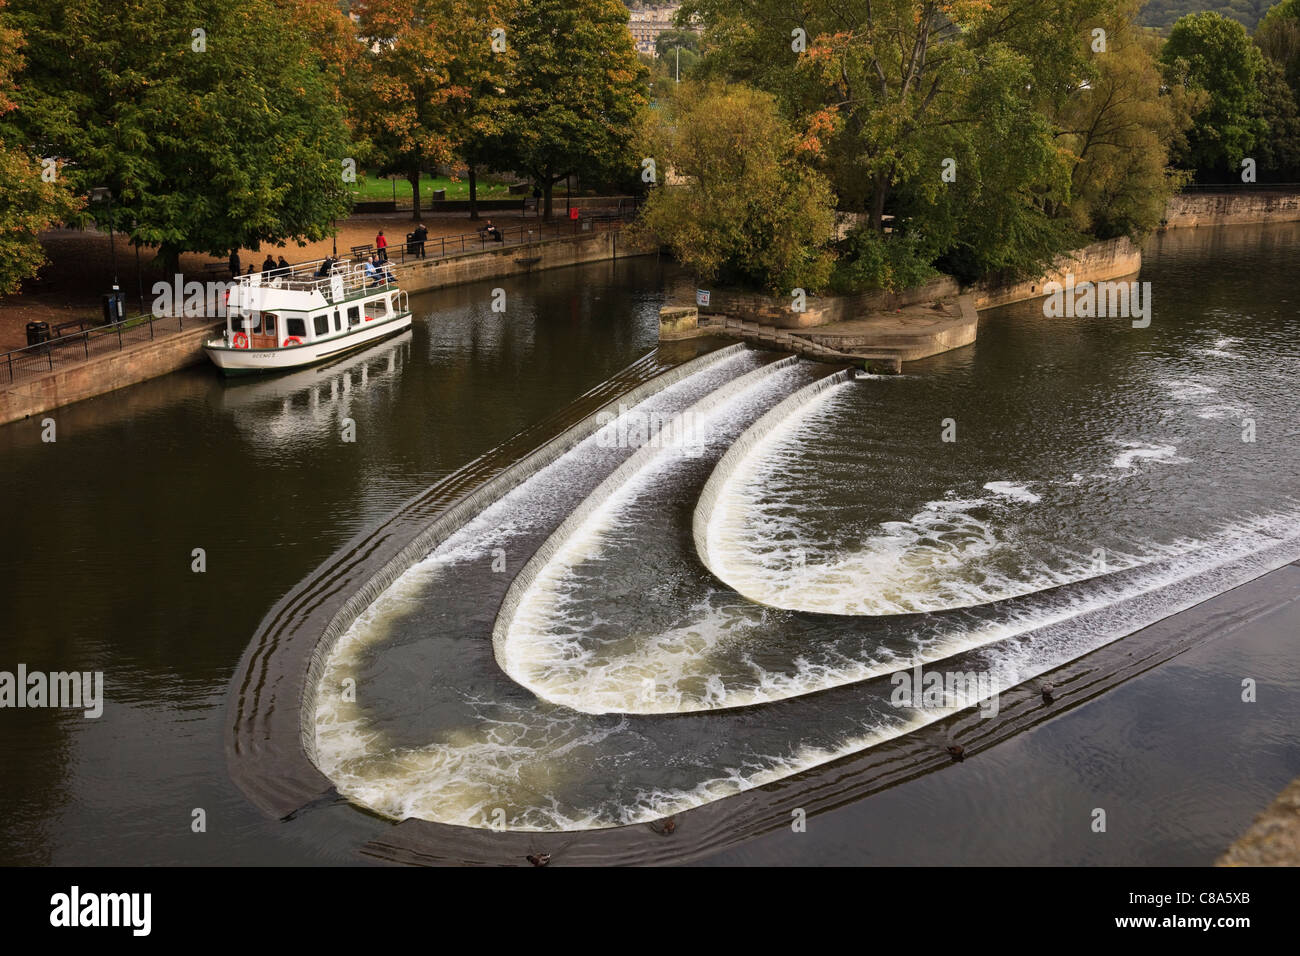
648, 23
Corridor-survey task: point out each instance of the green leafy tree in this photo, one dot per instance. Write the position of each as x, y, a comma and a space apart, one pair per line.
1278, 153
30, 202
1278, 38
737, 202
215, 127
1118, 127
576, 91
1211, 53
667, 43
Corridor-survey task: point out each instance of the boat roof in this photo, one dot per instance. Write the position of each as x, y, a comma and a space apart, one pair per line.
303, 289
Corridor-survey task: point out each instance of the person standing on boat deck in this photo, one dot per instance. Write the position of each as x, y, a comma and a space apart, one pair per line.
382, 245
268, 264
236, 270
285, 268
251, 270
421, 237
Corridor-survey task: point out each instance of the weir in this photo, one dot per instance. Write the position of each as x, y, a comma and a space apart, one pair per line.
465, 509
608, 489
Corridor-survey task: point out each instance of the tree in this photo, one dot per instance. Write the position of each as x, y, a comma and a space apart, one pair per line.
1117, 128
214, 127
738, 202
575, 91
667, 42
428, 91
1278, 153
31, 203
1209, 52
1278, 38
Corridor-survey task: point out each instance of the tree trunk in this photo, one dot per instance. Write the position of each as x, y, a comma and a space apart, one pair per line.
413, 177
548, 190
473, 193
170, 256
878, 204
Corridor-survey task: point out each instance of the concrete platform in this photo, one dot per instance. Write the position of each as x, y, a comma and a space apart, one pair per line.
911, 333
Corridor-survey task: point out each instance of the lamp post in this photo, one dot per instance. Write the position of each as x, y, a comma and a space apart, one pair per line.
114, 304
679, 63
104, 194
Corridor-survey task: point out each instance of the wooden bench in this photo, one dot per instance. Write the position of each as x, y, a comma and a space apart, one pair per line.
363, 252
64, 328
530, 205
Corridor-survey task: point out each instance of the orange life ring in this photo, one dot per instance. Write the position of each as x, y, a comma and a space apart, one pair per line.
241, 340
292, 340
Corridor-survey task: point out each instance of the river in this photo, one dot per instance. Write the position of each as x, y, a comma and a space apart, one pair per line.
672, 651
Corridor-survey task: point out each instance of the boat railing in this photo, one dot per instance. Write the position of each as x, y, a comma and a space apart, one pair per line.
342, 280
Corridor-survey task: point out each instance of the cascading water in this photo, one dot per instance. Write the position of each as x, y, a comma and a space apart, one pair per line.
589, 650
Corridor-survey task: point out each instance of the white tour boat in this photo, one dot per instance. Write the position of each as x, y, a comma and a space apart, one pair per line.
286, 319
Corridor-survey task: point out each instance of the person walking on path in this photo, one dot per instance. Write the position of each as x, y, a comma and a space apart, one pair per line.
421, 235
382, 245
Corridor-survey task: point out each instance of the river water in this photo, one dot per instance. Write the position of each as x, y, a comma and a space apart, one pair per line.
705, 617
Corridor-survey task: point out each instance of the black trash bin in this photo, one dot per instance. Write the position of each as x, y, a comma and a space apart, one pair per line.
38, 332
114, 306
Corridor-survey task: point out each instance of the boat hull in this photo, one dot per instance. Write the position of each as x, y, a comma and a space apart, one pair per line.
233, 361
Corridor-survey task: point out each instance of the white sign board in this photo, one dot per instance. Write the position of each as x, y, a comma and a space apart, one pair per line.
701, 297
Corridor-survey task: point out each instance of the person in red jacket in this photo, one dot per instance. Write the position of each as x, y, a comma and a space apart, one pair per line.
382, 245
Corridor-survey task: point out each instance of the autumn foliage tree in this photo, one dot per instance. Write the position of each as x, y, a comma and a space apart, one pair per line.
429, 90
31, 201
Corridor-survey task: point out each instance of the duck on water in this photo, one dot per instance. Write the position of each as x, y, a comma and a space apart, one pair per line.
290, 317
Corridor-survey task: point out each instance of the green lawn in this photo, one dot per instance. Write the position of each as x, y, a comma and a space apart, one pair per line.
374, 189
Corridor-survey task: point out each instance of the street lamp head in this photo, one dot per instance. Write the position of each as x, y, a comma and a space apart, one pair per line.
100, 193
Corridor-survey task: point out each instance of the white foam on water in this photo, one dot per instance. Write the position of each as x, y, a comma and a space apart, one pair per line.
1013, 490
511, 762
679, 670
1222, 348
1136, 451
1188, 390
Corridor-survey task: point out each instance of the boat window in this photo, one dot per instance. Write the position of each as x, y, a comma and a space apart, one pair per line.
296, 327
354, 316
322, 323
268, 323
377, 309
338, 321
